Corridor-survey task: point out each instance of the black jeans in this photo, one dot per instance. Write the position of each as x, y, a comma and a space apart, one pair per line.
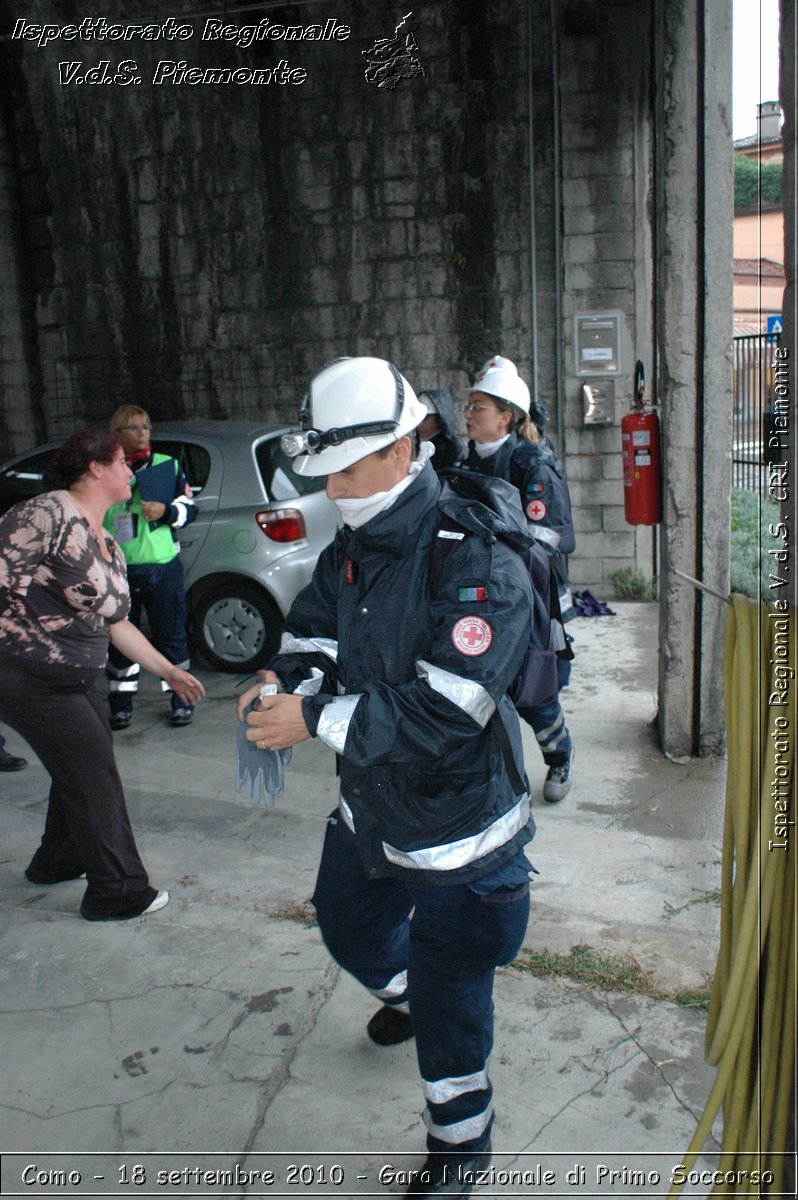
58, 711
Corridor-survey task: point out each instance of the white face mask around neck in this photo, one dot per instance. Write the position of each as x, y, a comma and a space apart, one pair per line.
355, 512
485, 449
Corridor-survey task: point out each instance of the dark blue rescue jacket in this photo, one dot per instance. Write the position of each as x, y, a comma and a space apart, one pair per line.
407, 686
537, 473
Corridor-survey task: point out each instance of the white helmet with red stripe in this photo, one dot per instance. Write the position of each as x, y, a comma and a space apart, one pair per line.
498, 377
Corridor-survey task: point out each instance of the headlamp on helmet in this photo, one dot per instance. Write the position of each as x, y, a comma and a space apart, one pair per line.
313, 441
332, 434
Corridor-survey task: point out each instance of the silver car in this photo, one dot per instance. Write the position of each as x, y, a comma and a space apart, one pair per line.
254, 544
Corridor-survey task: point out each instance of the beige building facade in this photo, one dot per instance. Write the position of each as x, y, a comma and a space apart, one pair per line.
759, 277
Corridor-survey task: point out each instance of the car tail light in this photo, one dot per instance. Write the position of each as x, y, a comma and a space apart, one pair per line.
282, 524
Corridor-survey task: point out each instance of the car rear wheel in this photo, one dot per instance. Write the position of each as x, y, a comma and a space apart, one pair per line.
236, 626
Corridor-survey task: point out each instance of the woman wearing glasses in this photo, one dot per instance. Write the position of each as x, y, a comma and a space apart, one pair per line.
146, 528
505, 442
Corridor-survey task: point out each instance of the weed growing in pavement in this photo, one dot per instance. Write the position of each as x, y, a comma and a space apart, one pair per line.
301, 911
712, 897
605, 972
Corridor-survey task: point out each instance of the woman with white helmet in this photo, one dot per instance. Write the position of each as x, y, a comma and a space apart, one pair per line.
423, 887
505, 443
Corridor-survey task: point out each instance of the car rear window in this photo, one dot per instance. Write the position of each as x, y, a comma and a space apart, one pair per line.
23, 480
31, 468
280, 481
195, 461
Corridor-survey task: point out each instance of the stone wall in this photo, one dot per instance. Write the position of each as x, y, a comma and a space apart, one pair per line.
202, 249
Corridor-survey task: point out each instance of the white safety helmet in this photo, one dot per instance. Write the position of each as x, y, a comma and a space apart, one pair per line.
497, 360
353, 407
498, 377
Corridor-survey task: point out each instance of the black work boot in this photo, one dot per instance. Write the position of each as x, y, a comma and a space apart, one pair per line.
389, 1026
450, 1175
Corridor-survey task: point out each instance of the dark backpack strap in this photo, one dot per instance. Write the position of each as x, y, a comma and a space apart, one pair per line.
565, 654
520, 786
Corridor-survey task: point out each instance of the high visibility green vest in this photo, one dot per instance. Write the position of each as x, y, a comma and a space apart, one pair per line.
148, 545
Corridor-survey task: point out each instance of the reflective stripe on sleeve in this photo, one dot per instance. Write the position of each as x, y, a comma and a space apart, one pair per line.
334, 721
467, 694
459, 854
461, 1131
542, 533
441, 1091
296, 645
312, 685
182, 504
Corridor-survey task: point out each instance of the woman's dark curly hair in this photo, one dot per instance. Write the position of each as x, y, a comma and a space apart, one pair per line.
72, 460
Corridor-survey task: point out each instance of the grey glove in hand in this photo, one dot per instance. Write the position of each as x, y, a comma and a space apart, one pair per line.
263, 768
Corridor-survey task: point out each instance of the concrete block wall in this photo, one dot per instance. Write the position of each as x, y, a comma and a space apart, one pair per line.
606, 263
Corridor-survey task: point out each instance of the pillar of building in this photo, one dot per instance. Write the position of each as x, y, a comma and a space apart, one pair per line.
693, 325
17, 426
788, 41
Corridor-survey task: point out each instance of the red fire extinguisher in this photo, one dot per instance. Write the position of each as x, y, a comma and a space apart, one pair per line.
642, 478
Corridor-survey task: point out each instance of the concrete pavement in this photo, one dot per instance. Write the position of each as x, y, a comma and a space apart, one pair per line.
217, 1035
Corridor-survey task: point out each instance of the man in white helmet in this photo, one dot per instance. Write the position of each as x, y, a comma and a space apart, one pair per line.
401, 667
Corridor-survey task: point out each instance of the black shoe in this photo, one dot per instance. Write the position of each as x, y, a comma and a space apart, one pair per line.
10, 762
121, 720
389, 1027
450, 1174
181, 716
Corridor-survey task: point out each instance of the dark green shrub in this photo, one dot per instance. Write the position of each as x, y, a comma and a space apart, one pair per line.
632, 585
754, 180
751, 518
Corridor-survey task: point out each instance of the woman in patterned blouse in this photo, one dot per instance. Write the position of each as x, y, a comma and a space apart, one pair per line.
63, 594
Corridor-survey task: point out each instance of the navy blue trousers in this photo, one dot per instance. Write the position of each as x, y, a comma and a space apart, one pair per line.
156, 589
548, 722
432, 951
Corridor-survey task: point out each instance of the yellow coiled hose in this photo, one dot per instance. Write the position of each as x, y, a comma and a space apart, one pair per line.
750, 1034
